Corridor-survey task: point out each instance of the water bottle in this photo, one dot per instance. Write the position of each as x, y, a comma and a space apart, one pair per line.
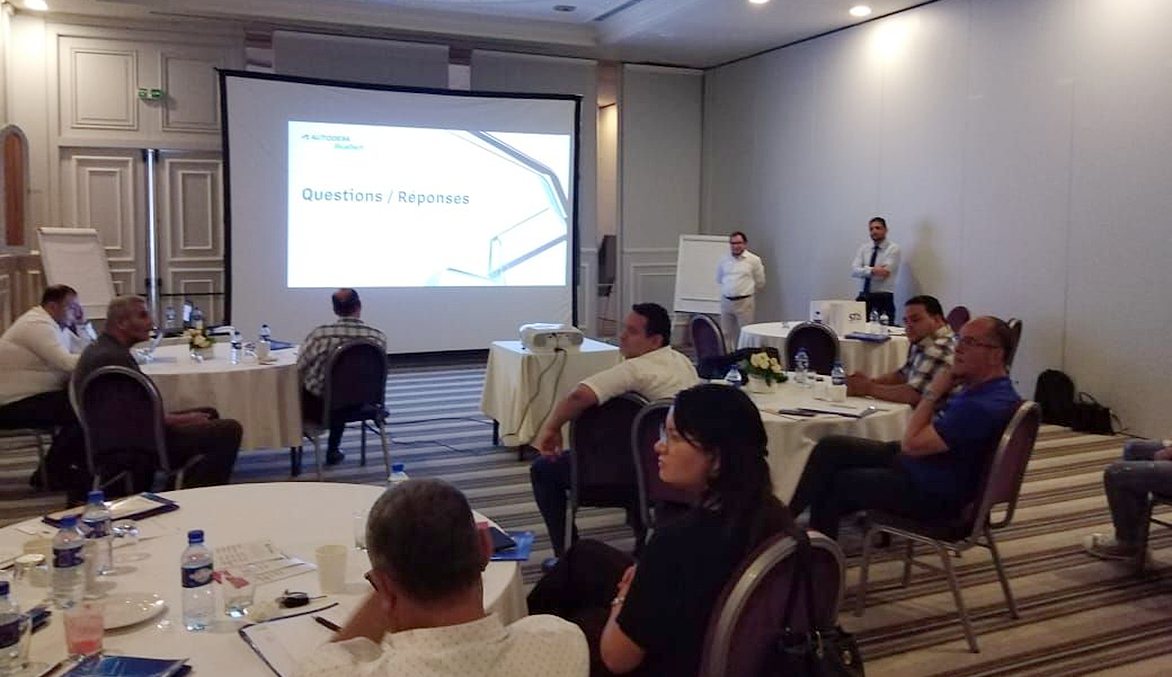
68, 564
266, 334
170, 319
838, 374
817, 317
14, 634
197, 318
199, 598
95, 523
397, 476
733, 377
237, 346
873, 318
884, 320
802, 367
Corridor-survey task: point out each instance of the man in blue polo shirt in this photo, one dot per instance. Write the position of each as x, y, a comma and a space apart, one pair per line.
936, 469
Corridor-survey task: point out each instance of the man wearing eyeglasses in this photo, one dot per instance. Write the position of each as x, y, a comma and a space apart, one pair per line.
426, 615
935, 470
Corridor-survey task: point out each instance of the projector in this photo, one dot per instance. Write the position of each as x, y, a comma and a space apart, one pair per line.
541, 337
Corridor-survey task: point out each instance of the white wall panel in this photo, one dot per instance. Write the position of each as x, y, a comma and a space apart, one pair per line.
384, 62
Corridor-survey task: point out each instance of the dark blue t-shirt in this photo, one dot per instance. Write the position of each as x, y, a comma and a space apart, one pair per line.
970, 424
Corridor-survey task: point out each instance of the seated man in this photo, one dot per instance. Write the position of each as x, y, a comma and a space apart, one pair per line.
189, 433
426, 615
932, 344
651, 368
37, 355
936, 469
1146, 468
316, 351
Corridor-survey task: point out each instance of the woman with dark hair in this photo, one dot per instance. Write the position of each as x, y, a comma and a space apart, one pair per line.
652, 616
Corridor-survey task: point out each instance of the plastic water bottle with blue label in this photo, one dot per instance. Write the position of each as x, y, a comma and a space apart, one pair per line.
237, 347
14, 634
802, 367
733, 377
838, 374
884, 319
95, 523
265, 334
197, 318
68, 564
170, 319
873, 318
398, 476
199, 597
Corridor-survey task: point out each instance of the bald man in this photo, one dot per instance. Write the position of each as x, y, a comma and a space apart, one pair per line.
316, 351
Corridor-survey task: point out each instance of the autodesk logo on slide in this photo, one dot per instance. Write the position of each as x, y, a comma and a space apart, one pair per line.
332, 138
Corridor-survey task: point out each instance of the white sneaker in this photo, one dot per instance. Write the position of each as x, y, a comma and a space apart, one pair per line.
1106, 547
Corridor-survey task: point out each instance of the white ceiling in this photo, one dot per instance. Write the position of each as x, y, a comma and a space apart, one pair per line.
696, 33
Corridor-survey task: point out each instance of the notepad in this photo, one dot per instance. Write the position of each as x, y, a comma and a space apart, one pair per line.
284, 643
129, 666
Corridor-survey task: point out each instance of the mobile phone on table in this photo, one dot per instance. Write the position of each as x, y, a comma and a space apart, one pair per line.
796, 412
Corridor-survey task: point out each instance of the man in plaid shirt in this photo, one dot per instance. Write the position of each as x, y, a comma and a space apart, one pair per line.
316, 350
932, 345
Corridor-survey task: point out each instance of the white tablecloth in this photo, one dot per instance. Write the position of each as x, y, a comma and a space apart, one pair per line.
792, 438
297, 517
264, 398
873, 359
521, 387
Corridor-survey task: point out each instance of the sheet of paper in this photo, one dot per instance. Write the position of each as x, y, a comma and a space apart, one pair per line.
237, 554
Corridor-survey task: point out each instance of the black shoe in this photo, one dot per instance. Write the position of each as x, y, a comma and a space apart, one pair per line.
334, 457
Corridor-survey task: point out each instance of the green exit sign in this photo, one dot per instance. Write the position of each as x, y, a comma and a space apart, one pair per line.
150, 94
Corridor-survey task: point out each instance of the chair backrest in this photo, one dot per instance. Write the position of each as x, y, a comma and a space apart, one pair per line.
750, 613
644, 435
1003, 476
957, 317
707, 338
1015, 327
600, 443
120, 410
356, 375
820, 342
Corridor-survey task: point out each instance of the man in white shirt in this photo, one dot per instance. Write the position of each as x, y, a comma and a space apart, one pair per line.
651, 368
876, 263
37, 355
426, 615
740, 275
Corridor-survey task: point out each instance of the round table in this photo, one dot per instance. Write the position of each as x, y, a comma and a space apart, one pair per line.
296, 517
264, 398
872, 359
792, 438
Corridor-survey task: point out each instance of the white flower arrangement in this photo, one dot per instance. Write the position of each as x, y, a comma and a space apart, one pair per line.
198, 339
764, 367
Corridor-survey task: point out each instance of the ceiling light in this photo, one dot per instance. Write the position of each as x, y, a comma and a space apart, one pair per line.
38, 5
860, 11
758, 2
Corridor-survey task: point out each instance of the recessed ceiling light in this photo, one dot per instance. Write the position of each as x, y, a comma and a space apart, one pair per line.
860, 11
38, 5
758, 2
564, 8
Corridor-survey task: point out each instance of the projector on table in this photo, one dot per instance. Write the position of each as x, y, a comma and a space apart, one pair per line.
541, 337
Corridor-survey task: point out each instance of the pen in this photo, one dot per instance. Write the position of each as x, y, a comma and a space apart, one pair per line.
329, 624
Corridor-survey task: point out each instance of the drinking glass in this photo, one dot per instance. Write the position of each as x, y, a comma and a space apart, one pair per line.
239, 590
83, 628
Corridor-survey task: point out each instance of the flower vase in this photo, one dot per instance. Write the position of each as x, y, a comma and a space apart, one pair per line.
758, 384
201, 354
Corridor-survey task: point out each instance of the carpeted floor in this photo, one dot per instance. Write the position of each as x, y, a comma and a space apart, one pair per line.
1078, 615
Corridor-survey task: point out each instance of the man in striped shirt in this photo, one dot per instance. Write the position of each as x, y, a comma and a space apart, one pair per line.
932, 346
316, 351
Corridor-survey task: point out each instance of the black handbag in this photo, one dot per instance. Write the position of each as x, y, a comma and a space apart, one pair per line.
1092, 417
817, 651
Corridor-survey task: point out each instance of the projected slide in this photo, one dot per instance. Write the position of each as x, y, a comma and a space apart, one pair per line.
385, 206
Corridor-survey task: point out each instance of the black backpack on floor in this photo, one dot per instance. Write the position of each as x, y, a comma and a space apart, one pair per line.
1054, 393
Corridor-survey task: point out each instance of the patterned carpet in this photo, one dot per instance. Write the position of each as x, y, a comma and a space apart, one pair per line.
1079, 616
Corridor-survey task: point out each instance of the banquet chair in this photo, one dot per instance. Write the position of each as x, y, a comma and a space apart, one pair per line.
355, 390
658, 502
957, 317
1000, 485
122, 418
602, 473
40, 435
820, 342
707, 338
750, 613
1015, 327
1141, 559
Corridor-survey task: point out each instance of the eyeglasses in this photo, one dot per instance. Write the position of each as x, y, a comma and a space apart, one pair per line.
370, 579
970, 342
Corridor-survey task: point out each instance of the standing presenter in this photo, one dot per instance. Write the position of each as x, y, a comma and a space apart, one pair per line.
740, 275
876, 263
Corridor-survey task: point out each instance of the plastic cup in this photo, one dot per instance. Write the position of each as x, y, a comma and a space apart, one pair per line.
238, 591
837, 393
359, 530
83, 628
262, 351
331, 568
